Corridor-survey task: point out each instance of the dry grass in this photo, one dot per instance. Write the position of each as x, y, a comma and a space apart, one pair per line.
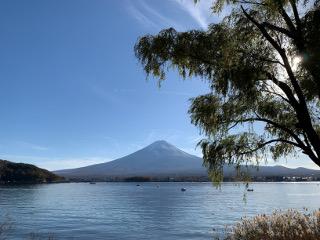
289, 225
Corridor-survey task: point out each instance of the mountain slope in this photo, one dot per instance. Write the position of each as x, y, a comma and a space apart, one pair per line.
163, 159
271, 171
158, 159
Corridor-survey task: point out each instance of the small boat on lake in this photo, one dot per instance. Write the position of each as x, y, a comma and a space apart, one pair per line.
250, 190
183, 189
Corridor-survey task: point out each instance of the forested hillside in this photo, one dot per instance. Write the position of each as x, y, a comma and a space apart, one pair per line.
20, 172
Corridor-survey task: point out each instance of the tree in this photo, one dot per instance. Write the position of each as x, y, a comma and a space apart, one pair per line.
262, 63
20, 172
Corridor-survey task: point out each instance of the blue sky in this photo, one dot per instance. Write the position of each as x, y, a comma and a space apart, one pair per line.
73, 94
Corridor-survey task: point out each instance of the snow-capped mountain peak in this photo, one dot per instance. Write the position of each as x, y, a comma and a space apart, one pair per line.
163, 148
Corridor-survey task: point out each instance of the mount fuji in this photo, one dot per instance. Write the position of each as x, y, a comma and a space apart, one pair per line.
158, 159
161, 159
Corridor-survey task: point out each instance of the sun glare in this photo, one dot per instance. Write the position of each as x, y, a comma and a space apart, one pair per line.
296, 61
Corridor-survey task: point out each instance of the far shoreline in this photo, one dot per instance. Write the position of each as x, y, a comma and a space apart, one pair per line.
31, 182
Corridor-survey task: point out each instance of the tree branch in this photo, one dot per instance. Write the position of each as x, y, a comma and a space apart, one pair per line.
269, 60
250, 2
279, 29
234, 125
298, 143
284, 59
264, 32
276, 94
296, 30
269, 142
296, 16
286, 17
286, 89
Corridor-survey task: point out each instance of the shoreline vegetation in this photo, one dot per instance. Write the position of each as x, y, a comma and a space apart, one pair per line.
192, 179
26, 173
288, 225
21, 173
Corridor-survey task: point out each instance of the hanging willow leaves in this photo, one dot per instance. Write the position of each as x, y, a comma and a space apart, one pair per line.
262, 63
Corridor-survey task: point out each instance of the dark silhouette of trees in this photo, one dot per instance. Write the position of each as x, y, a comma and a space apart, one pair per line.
20, 172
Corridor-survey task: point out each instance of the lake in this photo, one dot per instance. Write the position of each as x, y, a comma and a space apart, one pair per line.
126, 211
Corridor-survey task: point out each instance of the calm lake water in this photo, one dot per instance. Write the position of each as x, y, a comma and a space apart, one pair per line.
126, 211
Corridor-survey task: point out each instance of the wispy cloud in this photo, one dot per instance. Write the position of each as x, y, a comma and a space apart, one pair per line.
165, 20
200, 12
194, 139
149, 16
116, 90
113, 96
103, 93
30, 145
177, 93
69, 163
142, 18
111, 139
153, 18
55, 163
108, 95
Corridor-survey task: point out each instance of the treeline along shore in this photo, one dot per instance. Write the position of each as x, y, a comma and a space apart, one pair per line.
15, 173
194, 179
11, 172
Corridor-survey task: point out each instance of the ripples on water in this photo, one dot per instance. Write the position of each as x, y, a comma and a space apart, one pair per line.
126, 211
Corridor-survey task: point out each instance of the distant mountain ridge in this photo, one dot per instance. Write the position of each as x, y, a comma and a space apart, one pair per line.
161, 159
272, 171
158, 159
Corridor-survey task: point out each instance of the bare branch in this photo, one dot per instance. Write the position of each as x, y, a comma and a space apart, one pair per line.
233, 126
279, 29
269, 60
286, 89
269, 142
285, 61
286, 17
277, 125
251, 2
296, 15
277, 94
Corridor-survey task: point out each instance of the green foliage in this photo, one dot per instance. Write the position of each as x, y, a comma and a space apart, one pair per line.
249, 61
289, 225
20, 172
